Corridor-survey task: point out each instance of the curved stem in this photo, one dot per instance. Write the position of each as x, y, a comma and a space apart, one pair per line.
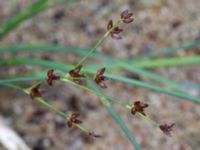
48, 105
101, 40
112, 100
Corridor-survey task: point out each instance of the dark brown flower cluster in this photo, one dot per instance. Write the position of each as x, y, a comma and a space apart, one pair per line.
76, 75
100, 78
115, 32
35, 91
126, 17
139, 107
167, 128
51, 76
73, 119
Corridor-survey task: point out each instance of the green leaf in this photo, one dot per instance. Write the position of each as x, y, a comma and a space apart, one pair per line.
169, 62
154, 88
167, 52
66, 68
113, 64
115, 115
153, 76
14, 22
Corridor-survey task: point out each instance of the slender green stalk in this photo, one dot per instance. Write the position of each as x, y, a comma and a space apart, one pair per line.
115, 115
103, 100
106, 101
149, 120
169, 62
33, 10
109, 98
101, 40
167, 52
27, 13
66, 68
153, 76
21, 79
65, 79
154, 88
47, 104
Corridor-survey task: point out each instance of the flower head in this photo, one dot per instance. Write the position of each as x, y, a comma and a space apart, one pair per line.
99, 78
76, 74
115, 32
166, 128
51, 77
126, 16
139, 107
73, 119
35, 92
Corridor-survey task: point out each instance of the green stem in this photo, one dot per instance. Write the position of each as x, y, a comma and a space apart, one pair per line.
101, 40
149, 120
48, 105
25, 14
169, 62
111, 99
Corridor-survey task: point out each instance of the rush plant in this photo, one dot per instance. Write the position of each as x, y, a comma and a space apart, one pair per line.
93, 81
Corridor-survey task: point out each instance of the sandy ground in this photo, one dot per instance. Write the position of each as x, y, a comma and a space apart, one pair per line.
158, 25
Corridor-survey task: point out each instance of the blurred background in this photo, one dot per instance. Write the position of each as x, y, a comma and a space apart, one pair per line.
158, 25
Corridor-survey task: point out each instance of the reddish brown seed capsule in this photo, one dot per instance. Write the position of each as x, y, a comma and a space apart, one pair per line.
35, 92
73, 120
126, 16
139, 107
75, 73
115, 33
99, 78
51, 77
167, 128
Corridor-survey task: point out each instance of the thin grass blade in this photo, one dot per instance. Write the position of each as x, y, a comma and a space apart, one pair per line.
14, 22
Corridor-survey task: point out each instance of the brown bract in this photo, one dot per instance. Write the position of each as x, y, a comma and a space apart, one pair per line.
99, 78
51, 76
126, 17
115, 32
139, 107
167, 128
73, 119
76, 74
35, 92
